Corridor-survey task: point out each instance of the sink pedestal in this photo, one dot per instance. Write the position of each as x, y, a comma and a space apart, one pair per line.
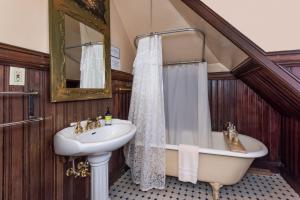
99, 176
97, 144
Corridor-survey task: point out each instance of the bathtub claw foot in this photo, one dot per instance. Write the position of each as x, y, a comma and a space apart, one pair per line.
216, 190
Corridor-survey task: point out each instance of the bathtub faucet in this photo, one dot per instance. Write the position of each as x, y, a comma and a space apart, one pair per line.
227, 126
232, 133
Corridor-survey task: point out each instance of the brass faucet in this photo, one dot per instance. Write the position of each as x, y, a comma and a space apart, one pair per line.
78, 128
82, 170
93, 123
233, 135
97, 122
89, 125
231, 132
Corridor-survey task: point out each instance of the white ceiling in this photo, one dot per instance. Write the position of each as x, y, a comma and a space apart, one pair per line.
220, 53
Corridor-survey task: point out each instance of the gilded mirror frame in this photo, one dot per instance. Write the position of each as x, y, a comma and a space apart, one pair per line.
57, 10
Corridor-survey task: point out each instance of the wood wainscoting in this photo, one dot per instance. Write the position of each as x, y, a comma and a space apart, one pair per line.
290, 150
232, 100
29, 169
289, 60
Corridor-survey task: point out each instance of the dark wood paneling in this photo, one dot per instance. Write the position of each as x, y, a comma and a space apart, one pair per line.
246, 67
293, 68
264, 83
232, 100
121, 76
284, 56
29, 169
11, 55
291, 146
288, 60
221, 76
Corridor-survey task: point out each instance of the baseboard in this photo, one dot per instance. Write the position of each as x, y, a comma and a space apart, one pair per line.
116, 174
292, 180
273, 166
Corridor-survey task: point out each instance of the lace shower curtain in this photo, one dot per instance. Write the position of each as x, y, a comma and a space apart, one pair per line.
145, 154
92, 68
186, 104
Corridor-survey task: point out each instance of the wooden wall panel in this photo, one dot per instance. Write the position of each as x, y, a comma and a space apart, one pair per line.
232, 100
294, 69
291, 146
29, 169
264, 83
290, 60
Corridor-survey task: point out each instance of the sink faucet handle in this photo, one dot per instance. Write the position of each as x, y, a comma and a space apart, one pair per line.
97, 122
89, 124
78, 128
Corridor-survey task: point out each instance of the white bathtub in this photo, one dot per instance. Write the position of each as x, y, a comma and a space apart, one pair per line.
217, 165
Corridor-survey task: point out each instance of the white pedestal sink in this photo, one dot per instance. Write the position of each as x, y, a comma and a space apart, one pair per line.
97, 144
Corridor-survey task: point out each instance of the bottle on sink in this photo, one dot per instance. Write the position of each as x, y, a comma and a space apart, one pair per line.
108, 118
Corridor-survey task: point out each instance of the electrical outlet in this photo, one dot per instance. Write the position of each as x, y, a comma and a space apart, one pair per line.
16, 76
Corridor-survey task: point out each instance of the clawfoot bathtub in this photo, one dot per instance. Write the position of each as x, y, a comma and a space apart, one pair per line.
217, 165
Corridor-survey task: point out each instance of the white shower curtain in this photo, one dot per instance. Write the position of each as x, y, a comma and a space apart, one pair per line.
186, 104
145, 154
92, 68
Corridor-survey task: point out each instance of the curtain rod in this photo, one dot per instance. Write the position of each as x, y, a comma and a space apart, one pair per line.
183, 62
85, 44
174, 32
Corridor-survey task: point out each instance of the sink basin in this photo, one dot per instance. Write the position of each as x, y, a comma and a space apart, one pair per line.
97, 144
93, 142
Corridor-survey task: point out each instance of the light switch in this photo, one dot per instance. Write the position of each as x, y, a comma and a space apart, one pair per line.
16, 76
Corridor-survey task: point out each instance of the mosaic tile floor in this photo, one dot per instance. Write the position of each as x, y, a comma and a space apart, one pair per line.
252, 187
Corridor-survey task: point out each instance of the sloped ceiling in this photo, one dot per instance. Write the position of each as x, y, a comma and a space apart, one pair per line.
221, 54
271, 24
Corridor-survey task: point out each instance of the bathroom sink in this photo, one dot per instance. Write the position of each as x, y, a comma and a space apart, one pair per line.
97, 145
94, 142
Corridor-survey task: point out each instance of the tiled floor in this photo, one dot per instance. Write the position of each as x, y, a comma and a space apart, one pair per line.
252, 187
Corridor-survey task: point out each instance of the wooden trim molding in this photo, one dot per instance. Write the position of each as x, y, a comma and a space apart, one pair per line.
221, 76
121, 76
291, 180
280, 57
274, 166
285, 52
246, 67
17, 56
12, 55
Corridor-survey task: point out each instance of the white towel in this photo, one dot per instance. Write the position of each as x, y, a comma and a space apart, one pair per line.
188, 163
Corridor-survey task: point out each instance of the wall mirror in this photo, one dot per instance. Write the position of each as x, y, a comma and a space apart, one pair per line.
80, 50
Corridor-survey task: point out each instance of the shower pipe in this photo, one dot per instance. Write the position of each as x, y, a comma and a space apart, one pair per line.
173, 32
85, 44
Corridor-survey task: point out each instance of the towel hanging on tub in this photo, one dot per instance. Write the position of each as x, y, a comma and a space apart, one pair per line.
188, 163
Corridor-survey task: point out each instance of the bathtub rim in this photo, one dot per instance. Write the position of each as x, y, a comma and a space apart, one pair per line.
253, 154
